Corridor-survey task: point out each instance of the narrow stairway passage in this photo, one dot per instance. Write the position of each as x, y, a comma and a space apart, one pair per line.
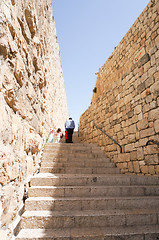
80, 195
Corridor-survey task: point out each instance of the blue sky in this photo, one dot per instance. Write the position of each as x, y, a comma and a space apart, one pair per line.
88, 31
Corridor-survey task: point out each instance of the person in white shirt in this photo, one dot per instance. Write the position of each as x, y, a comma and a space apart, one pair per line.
59, 135
70, 126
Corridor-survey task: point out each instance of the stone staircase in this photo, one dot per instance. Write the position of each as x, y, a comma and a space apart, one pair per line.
79, 194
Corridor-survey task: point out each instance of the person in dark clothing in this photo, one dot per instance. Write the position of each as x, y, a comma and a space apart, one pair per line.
70, 126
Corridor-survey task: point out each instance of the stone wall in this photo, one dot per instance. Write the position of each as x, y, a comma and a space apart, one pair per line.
126, 102
32, 97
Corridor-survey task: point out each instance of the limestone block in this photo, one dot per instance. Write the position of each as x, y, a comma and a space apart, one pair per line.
157, 169
144, 59
120, 135
141, 87
147, 132
151, 170
123, 157
126, 131
151, 149
142, 124
152, 70
140, 153
154, 114
130, 166
152, 159
132, 138
156, 126
144, 169
157, 54
132, 129
136, 166
138, 109
153, 50
129, 147
156, 76
133, 155
122, 165
154, 89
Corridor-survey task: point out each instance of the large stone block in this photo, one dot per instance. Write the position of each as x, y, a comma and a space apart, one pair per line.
144, 60
143, 124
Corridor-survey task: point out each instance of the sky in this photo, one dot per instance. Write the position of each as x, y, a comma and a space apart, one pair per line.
88, 31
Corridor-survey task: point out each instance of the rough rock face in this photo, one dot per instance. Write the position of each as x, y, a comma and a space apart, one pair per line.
32, 96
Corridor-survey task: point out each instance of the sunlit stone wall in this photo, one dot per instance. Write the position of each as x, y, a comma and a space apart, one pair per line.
125, 102
32, 97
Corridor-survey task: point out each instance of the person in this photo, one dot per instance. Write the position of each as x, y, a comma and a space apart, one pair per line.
59, 135
51, 136
66, 137
70, 126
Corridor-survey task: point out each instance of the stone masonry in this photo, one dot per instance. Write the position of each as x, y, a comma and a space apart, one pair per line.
32, 98
126, 101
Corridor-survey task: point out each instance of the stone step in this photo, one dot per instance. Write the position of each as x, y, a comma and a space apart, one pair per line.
146, 232
101, 218
74, 159
49, 179
77, 164
76, 146
74, 150
72, 155
67, 148
82, 170
92, 191
95, 203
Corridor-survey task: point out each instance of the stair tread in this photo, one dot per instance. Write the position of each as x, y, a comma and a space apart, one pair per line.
131, 178
92, 198
77, 197
72, 175
75, 213
88, 232
95, 186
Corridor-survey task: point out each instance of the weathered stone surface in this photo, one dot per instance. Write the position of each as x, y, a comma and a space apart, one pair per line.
32, 96
143, 60
130, 76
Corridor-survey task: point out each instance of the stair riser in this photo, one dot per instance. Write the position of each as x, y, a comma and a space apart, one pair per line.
77, 147
76, 151
65, 159
77, 164
79, 181
131, 236
91, 181
94, 191
90, 204
134, 233
88, 221
88, 193
73, 155
80, 170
